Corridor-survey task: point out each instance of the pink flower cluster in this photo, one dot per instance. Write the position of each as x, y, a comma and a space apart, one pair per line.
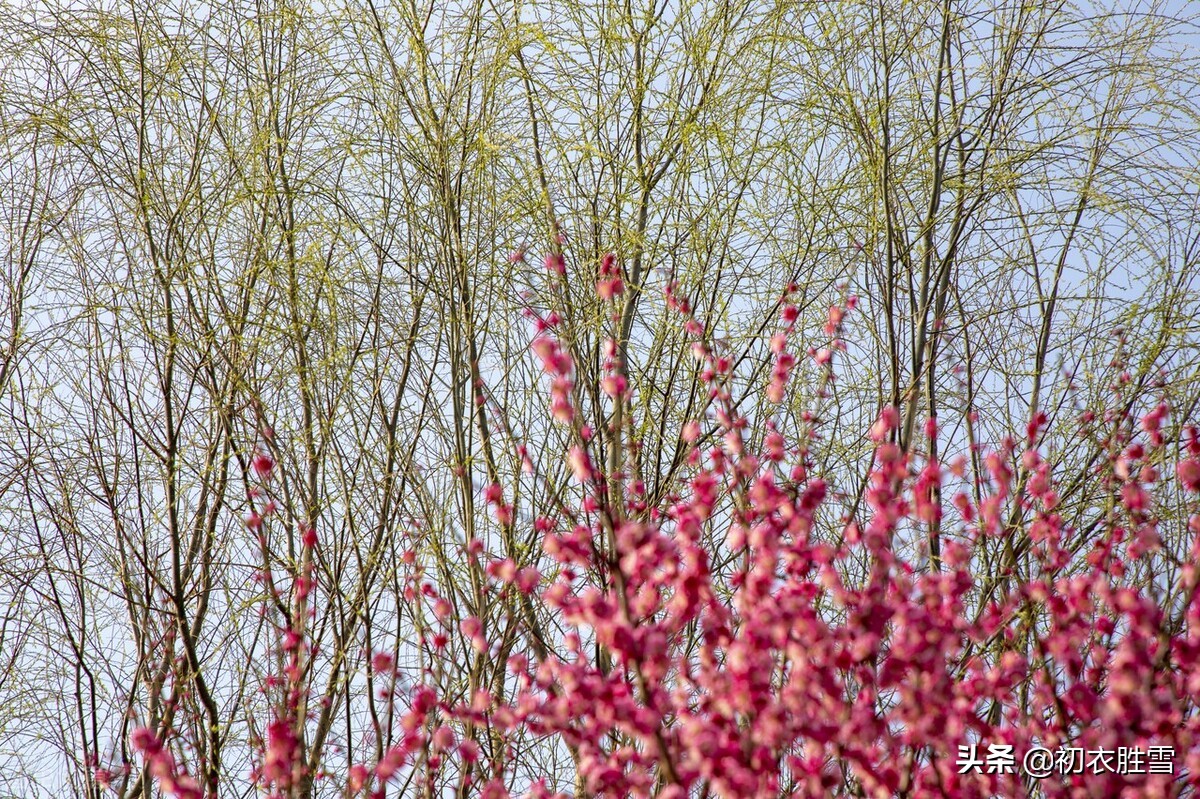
173, 780
557, 363
609, 284
745, 638
787, 676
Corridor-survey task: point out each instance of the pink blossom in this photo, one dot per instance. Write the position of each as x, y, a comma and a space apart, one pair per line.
889, 418
614, 385
280, 767
444, 738
263, 465
358, 777
580, 463
608, 288
528, 579
1188, 472
472, 629
556, 264
381, 663
834, 321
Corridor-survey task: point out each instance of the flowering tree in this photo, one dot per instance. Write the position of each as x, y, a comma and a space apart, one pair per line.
772, 665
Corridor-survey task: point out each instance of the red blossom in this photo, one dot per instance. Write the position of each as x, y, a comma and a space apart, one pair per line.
1189, 474
263, 465
556, 263
761, 627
